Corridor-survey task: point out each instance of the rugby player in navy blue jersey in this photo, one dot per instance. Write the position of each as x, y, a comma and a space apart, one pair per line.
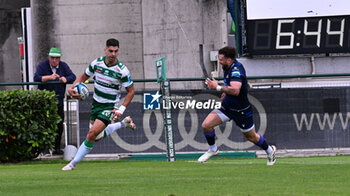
235, 106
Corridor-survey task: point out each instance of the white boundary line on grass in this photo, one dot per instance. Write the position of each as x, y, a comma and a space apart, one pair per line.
259, 153
306, 152
279, 162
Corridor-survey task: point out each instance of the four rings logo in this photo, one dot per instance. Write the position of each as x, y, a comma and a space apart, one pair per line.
186, 134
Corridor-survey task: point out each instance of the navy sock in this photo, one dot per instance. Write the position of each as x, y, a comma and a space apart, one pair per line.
210, 136
262, 143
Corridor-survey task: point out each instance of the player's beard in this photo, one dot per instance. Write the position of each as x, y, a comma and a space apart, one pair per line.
111, 60
225, 66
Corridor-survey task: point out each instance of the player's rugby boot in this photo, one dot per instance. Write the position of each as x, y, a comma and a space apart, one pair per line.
207, 155
271, 158
129, 124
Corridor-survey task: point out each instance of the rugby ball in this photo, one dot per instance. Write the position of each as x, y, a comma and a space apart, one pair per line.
82, 90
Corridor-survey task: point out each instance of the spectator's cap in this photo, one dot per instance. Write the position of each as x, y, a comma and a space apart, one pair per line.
55, 52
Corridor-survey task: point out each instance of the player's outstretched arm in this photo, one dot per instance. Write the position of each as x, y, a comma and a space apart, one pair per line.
234, 88
129, 96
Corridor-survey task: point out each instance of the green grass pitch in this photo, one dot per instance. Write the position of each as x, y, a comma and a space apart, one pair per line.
223, 177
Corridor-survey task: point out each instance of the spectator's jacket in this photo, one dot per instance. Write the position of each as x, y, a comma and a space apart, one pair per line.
63, 69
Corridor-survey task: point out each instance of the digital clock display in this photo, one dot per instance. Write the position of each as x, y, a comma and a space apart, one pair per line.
302, 35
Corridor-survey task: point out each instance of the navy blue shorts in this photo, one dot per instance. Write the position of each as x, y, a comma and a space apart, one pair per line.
243, 118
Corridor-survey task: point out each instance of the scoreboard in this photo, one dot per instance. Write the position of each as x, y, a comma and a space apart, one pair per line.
283, 27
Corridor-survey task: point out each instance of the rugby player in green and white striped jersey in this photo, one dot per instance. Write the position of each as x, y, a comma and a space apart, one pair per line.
110, 76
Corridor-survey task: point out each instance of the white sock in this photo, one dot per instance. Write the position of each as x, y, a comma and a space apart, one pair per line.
110, 129
82, 151
213, 148
114, 127
269, 150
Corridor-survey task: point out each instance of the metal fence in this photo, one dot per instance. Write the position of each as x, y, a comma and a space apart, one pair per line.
291, 117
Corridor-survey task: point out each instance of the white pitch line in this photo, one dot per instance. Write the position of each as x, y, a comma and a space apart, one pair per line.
277, 162
224, 162
315, 163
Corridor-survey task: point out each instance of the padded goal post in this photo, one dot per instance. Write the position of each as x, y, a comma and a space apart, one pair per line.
168, 125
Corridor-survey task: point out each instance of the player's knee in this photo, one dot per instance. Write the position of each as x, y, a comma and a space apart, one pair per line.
91, 136
252, 138
206, 127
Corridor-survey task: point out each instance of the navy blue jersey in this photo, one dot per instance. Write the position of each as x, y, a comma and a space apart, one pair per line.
236, 73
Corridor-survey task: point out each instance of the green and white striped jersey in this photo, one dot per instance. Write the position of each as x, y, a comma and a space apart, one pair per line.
108, 80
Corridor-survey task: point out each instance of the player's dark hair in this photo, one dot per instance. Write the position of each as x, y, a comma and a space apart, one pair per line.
228, 52
112, 42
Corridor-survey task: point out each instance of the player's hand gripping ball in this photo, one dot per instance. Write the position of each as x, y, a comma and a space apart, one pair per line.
82, 90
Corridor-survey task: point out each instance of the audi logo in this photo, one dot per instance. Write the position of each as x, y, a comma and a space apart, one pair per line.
188, 138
